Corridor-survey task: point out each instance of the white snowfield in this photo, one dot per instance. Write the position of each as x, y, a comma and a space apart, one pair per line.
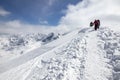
80, 55
15, 45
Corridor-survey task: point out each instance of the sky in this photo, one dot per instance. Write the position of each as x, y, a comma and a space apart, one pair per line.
59, 15
35, 11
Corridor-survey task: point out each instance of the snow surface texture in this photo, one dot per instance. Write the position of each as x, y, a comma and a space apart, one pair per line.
111, 45
15, 45
81, 55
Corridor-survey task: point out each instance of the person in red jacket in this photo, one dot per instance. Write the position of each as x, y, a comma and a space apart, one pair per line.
96, 24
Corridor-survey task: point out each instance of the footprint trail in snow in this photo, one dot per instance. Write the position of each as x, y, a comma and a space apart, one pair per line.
81, 59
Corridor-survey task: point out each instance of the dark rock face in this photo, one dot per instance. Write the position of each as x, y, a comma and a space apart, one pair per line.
50, 37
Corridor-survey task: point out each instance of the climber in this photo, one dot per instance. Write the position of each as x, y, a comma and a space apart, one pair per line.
96, 24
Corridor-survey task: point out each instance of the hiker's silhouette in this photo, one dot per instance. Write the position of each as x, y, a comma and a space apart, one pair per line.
96, 24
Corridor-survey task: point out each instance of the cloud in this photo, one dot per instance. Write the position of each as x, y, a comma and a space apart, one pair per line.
44, 22
14, 23
3, 12
80, 15
48, 6
17, 26
51, 2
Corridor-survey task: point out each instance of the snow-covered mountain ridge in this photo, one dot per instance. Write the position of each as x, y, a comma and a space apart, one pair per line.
19, 40
17, 44
86, 55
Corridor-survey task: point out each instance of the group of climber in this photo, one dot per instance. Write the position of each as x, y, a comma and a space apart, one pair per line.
96, 24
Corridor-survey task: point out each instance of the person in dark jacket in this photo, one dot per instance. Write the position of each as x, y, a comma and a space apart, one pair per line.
96, 24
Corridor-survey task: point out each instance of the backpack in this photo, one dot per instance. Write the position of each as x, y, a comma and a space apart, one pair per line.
91, 24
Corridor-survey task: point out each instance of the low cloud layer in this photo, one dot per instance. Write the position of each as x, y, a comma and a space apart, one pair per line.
17, 26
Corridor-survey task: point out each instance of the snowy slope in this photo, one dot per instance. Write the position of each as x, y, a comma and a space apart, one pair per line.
80, 55
15, 45
35, 53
